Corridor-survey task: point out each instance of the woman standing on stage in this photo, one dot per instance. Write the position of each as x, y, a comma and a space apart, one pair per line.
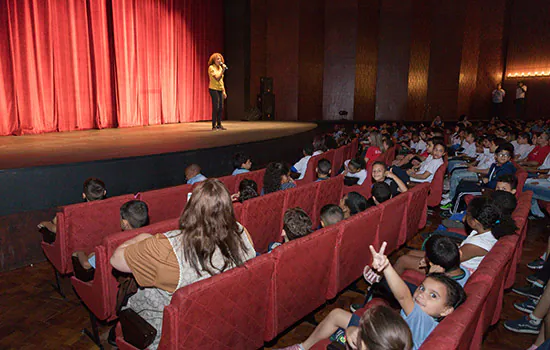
216, 68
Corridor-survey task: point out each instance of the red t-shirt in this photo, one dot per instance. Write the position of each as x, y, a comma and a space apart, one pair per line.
539, 154
373, 152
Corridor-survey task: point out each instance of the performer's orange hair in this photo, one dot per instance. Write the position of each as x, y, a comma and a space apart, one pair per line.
213, 58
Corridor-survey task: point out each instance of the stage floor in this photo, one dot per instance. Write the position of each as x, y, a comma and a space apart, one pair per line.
89, 145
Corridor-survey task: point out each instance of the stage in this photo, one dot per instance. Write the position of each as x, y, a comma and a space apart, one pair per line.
92, 145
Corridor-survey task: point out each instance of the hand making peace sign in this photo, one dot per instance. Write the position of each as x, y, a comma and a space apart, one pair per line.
379, 260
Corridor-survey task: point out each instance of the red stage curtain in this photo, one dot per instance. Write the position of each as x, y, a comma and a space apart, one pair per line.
77, 64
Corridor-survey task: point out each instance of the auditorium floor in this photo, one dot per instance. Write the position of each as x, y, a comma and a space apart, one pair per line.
32, 314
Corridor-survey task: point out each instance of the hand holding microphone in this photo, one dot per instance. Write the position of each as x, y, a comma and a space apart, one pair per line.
224, 67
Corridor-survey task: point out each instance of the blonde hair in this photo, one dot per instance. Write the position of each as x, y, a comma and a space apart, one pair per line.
213, 58
376, 139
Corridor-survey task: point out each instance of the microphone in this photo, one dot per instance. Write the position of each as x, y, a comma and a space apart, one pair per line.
224, 66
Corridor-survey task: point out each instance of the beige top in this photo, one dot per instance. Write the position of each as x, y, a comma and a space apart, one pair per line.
215, 84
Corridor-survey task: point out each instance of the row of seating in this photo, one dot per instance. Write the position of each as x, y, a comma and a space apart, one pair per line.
254, 303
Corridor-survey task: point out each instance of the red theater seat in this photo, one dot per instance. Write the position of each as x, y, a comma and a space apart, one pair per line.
166, 203
328, 192
436, 187
311, 173
392, 227
302, 197
352, 249
218, 313
300, 281
257, 176
354, 147
417, 209
338, 160
262, 218
99, 295
230, 182
82, 226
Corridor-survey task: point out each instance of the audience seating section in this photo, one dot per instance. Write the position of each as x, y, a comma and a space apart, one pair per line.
336, 257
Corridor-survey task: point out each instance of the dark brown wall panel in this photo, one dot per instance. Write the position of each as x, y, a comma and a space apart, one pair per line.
339, 68
282, 55
366, 62
311, 60
529, 51
491, 60
470, 57
393, 59
446, 53
258, 46
419, 61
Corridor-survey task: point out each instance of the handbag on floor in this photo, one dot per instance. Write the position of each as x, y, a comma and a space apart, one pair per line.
135, 330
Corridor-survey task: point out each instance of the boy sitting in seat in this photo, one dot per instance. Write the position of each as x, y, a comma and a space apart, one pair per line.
323, 170
331, 214
93, 190
296, 224
133, 214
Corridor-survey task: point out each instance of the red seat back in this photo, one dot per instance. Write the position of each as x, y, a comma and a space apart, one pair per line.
392, 227
354, 147
257, 176
262, 218
303, 273
311, 173
328, 192
521, 175
99, 295
80, 227
436, 188
352, 249
230, 182
302, 197
520, 216
389, 156
166, 203
227, 311
417, 210
338, 160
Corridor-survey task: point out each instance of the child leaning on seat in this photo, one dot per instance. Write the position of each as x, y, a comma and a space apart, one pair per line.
435, 298
133, 214
296, 224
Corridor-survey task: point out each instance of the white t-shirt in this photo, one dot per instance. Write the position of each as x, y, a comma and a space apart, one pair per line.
485, 241
431, 165
498, 95
486, 159
522, 150
469, 149
316, 153
301, 166
361, 174
419, 146
546, 164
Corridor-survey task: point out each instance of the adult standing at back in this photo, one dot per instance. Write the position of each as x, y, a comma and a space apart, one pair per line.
216, 70
497, 98
521, 89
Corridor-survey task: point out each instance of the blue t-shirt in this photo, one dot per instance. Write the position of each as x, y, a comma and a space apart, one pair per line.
196, 178
420, 323
240, 171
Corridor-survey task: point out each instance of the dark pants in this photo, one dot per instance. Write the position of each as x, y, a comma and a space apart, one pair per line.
520, 108
217, 106
497, 110
401, 173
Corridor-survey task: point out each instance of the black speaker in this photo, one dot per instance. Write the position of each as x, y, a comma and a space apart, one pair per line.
266, 85
266, 104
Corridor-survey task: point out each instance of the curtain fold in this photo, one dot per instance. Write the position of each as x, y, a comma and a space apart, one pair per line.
81, 64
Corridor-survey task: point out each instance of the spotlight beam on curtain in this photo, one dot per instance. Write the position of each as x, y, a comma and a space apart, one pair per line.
81, 64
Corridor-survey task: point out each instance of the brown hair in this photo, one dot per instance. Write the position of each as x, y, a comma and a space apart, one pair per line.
208, 223
213, 58
382, 328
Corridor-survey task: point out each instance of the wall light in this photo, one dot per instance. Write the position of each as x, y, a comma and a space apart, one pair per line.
536, 74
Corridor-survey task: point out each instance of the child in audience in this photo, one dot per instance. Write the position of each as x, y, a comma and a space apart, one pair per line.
93, 190
437, 297
277, 178
301, 166
427, 169
380, 174
522, 146
381, 192
296, 224
537, 156
242, 163
331, 214
374, 149
489, 223
193, 174
353, 203
417, 145
133, 214
323, 169
355, 173
248, 189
